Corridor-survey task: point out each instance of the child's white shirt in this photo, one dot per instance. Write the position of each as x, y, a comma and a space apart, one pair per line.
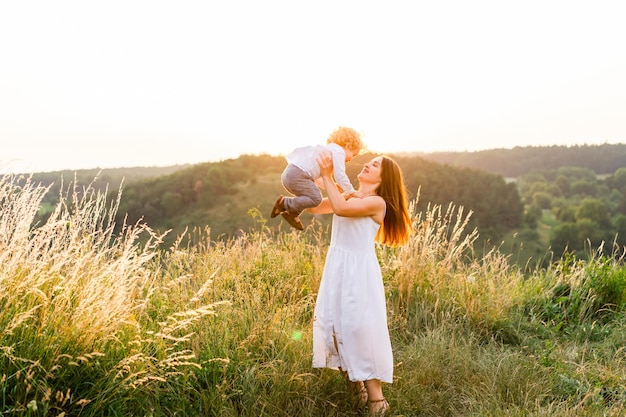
306, 157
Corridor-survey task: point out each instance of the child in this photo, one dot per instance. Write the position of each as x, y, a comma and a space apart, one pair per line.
302, 173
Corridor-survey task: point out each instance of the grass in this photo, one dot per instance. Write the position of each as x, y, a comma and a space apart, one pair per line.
98, 323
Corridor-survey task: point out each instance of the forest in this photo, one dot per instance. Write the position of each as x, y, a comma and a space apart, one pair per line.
219, 195
535, 203
512, 163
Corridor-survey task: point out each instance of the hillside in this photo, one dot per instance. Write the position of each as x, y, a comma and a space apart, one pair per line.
98, 179
105, 177
601, 159
221, 195
542, 211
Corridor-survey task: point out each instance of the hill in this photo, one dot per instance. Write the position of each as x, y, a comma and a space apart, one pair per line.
98, 179
101, 178
234, 196
222, 195
602, 159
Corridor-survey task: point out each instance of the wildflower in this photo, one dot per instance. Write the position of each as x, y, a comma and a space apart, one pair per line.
32, 405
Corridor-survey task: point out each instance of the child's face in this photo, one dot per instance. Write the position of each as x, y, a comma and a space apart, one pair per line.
351, 153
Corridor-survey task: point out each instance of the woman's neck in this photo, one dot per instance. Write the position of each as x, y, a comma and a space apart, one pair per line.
368, 189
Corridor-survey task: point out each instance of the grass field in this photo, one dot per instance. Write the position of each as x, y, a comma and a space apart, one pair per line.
97, 323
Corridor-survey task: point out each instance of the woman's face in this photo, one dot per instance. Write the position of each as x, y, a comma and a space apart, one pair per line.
371, 172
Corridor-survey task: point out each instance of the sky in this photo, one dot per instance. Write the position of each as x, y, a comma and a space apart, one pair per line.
86, 84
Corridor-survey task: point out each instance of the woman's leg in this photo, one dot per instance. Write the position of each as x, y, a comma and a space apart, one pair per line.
357, 387
377, 404
360, 392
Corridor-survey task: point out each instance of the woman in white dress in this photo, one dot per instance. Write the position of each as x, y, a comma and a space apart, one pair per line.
350, 330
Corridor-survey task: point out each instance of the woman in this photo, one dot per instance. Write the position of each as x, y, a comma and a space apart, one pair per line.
350, 323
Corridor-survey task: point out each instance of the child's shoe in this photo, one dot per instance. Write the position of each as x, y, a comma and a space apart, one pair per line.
292, 219
279, 206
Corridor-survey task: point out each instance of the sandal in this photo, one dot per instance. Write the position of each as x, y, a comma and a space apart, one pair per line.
382, 409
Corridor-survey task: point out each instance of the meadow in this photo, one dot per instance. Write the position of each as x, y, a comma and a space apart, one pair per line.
95, 322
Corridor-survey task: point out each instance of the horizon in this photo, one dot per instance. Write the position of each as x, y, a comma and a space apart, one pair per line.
84, 85
417, 153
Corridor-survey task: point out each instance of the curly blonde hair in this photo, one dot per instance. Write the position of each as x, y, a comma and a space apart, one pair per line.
346, 137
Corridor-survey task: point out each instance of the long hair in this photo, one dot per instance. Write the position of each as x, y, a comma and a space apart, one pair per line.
396, 226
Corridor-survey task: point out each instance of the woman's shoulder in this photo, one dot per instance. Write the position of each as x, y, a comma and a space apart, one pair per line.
379, 207
370, 199
376, 197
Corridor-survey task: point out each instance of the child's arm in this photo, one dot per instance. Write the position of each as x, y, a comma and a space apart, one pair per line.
339, 168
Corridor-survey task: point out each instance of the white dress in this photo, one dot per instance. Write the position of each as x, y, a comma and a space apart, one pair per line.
351, 305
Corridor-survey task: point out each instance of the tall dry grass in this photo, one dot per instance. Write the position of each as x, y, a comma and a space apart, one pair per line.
100, 319
438, 270
75, 300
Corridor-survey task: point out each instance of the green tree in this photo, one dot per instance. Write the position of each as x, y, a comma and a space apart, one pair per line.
542, 199
588, 231
563, 210
565, 237
170, 202
620, 229
532, 215
575, 173
594, 210
618, 179
584, 188
563, 184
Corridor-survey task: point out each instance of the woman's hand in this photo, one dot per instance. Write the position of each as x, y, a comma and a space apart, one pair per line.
325, 163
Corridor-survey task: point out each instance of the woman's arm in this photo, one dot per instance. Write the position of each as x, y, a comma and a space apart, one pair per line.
323, 208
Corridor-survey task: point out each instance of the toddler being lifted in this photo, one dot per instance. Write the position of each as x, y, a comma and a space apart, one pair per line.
302, 173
